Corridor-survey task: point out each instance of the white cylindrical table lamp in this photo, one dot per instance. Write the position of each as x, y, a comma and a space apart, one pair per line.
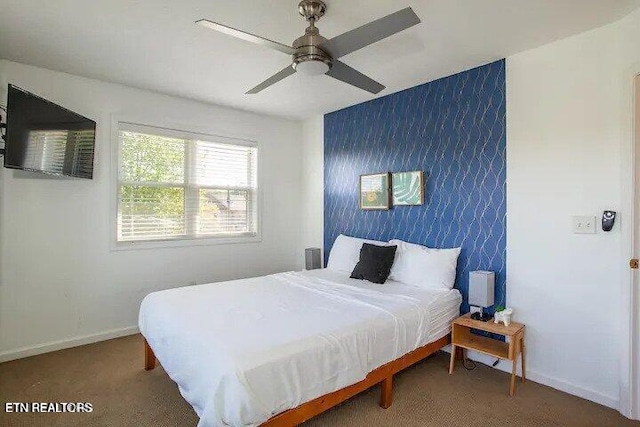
481, 292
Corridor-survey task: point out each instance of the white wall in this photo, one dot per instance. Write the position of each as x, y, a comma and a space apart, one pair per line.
313, 182
568, 153
60, 283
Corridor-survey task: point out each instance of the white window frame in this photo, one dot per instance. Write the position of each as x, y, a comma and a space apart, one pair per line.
174, 131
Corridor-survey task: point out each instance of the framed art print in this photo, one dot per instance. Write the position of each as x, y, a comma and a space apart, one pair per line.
408, 188
375, 191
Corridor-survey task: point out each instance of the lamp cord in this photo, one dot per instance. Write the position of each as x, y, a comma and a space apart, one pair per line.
468, 364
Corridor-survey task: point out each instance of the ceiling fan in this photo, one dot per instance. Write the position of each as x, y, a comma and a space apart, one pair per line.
314, 55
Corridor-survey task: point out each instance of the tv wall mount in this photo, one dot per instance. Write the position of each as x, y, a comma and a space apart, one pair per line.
3, 128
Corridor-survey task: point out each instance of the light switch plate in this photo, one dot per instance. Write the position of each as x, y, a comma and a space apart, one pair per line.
583, 224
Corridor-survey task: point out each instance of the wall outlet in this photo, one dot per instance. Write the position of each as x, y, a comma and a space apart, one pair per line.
583, 224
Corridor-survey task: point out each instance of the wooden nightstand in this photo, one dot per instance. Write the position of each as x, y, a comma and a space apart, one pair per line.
462, 337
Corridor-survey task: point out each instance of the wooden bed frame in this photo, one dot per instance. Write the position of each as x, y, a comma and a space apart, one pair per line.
382, 375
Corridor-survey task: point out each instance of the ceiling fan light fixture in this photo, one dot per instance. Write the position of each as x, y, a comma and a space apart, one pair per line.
312, 68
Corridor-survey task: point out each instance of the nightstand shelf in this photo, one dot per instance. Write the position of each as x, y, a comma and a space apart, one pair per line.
484, 345
462, 337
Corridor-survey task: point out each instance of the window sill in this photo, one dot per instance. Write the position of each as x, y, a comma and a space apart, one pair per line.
183, 242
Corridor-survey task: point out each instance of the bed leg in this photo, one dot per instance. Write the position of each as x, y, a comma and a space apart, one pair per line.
386, 392
149, 357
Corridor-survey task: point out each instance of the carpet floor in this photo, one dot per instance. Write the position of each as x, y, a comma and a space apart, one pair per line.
109, 375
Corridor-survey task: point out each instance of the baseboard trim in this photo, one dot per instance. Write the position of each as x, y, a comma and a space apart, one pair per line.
573, 389
20, 353
547, 380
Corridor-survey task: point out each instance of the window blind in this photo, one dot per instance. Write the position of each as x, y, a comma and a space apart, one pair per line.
175, 185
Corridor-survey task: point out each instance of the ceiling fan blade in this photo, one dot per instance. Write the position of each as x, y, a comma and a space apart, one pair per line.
272, 80
246, 36
344, 73
370, 33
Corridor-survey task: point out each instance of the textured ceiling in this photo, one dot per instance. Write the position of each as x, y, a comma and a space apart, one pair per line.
155, 45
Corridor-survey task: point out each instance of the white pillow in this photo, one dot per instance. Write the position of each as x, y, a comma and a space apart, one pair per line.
345, 252
425, 267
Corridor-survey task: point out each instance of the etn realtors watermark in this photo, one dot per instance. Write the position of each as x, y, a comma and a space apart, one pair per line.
47, 407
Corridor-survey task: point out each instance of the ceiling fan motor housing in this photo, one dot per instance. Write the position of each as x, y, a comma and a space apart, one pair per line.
308, 50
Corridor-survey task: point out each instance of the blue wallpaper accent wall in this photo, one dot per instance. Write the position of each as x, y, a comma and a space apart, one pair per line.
454, 130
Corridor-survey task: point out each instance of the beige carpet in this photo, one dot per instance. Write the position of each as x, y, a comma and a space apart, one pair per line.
110, 376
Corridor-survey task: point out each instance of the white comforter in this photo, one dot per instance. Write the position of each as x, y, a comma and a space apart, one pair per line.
245, 350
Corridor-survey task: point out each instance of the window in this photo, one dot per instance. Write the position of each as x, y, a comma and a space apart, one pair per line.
175, 185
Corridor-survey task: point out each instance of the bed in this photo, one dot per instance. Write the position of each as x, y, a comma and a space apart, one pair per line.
279, 349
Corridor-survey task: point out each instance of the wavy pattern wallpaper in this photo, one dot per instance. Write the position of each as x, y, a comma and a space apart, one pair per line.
454, 130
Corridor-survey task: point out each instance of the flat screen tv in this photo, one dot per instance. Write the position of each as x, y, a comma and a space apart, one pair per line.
44, 137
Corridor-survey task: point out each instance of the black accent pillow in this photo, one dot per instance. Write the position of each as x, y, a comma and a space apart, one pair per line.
375, 263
